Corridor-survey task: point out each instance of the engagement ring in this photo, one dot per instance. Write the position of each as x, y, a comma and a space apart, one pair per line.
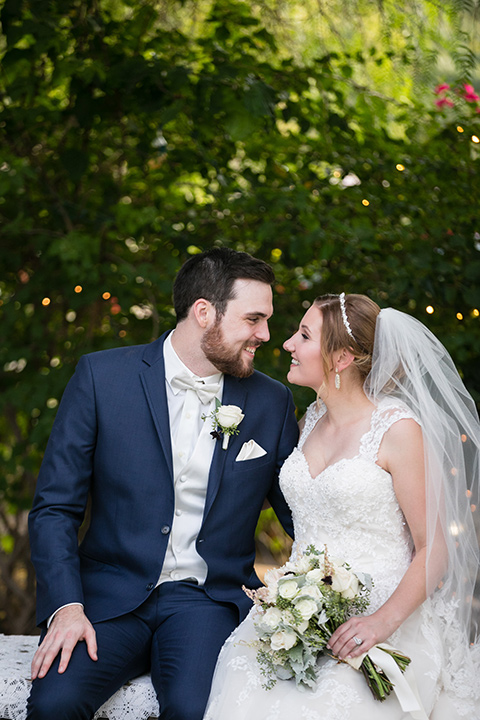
356, 640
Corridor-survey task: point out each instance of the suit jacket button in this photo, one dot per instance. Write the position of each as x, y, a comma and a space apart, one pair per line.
165, 529
150, 586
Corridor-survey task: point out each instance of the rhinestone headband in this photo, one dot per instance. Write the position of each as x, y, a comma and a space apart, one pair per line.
344, 316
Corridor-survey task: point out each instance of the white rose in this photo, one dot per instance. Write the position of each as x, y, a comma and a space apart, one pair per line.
229, 415
345, 582
283, 640
287, 589
306, 607
350, 592
312, 591
271, 618
315, 576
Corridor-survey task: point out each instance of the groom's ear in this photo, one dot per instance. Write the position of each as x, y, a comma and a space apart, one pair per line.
204, 313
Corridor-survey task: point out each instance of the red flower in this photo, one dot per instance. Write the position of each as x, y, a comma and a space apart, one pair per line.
470, 94
441, 88
442, 102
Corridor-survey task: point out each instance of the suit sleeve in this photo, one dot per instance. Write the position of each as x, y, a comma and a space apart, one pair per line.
61, 496
288, 440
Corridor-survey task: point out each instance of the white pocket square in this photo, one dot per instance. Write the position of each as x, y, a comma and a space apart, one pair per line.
250, 450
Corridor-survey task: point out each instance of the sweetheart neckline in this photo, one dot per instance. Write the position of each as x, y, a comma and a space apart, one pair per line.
337, 462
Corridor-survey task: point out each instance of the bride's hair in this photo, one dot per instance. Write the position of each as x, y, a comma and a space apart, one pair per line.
361, 314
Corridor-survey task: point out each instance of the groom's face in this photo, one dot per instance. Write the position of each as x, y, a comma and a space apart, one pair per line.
230, 343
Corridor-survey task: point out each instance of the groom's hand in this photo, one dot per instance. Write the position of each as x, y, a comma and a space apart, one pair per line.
69, 626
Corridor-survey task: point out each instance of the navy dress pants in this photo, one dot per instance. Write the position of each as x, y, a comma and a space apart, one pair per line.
176, 635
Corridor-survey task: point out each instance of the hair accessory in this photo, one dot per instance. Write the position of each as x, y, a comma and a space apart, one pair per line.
344, 316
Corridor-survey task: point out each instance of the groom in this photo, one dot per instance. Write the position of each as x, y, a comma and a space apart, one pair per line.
156, 583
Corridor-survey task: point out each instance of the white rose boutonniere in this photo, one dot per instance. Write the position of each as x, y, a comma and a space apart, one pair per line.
226, 419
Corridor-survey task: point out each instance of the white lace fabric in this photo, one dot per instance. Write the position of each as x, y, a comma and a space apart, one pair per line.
351, 508
134, 701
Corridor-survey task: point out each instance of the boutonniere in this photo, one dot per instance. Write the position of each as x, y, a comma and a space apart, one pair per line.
226, 419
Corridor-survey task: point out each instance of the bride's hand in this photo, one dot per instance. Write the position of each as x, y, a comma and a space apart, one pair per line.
369, 629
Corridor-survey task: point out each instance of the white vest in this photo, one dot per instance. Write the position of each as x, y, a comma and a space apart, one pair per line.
192, 449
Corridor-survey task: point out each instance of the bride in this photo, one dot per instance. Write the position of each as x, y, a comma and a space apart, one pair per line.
386, 475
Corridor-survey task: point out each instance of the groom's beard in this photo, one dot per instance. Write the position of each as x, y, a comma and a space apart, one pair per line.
223, 357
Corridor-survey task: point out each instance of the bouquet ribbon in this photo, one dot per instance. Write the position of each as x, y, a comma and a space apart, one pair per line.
405, 689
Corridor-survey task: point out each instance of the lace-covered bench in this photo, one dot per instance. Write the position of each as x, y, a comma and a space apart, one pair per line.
134, 701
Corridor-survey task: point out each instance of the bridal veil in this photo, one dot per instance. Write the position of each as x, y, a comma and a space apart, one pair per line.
410, 364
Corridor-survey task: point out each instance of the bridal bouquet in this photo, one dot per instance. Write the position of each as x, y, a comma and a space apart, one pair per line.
300, 607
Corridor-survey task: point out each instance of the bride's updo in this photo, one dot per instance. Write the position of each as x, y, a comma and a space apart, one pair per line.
359, 316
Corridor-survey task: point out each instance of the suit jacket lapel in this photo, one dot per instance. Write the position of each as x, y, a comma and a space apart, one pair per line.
233, 394
153, 381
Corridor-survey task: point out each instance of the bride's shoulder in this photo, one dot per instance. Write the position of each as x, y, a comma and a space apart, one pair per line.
391, 410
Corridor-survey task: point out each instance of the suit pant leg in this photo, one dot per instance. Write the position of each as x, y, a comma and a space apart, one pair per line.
124, 646
191, 631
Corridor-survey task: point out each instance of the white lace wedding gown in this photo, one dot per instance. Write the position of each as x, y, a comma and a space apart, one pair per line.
351, 507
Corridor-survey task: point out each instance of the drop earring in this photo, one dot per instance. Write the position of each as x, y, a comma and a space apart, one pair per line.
337, 379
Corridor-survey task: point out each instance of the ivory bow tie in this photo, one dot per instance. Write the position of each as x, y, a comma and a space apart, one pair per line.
205, 391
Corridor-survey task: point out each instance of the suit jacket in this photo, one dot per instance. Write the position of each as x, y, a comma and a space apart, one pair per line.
111, 439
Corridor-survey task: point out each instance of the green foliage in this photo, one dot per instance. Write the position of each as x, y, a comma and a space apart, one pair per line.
128, 143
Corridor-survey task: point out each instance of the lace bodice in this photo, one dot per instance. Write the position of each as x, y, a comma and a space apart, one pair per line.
336, 508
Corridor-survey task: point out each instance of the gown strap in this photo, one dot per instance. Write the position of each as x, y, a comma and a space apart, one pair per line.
387, 413
312, 415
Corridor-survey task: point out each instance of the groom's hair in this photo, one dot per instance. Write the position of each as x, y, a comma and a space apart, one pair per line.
212, 274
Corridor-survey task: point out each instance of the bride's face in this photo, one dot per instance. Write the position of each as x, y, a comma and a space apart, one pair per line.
306, 366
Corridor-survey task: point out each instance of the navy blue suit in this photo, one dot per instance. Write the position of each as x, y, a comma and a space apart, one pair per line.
111, 438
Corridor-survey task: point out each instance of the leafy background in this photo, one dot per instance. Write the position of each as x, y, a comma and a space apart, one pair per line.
135, 133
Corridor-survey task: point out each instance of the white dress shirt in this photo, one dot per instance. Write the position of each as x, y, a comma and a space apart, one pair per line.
192, 449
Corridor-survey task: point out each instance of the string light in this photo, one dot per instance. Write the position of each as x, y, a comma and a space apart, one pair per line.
46, 301
475, 139
430, 310
459, 316
459, 129
400, 167
106, 296
78, 288
365, 202
475, 312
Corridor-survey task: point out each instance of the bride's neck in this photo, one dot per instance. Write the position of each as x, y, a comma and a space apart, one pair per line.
346, 405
